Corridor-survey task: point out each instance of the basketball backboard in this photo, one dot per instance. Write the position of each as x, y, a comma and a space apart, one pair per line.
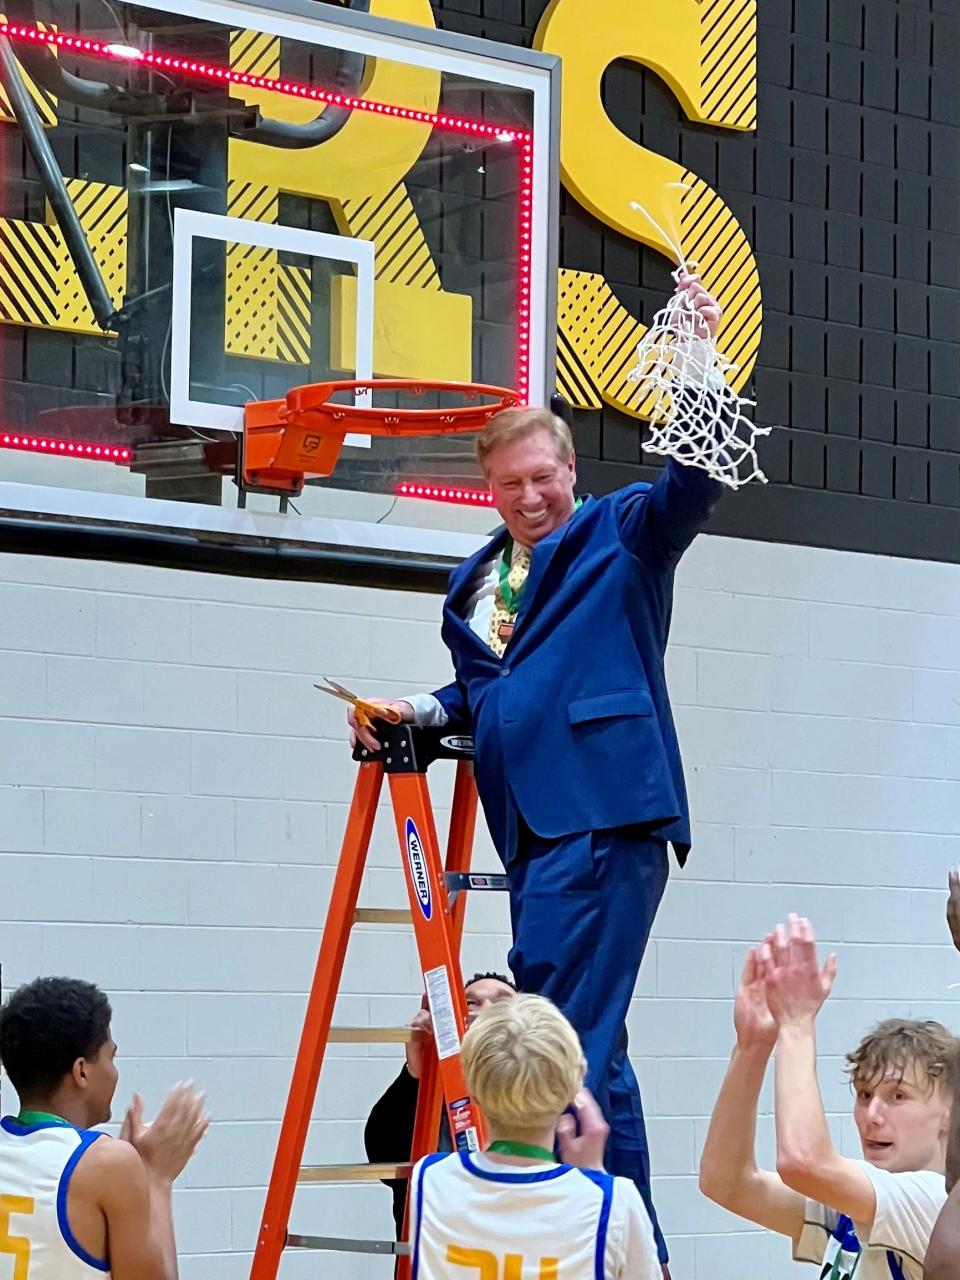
273, 194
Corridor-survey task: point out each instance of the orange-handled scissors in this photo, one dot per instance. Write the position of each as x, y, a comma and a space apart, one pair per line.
367, 712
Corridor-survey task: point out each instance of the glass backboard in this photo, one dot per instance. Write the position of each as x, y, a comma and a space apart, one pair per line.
209, 203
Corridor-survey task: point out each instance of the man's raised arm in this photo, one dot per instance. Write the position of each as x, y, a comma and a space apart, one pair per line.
796, 988
729, 1173
664, 520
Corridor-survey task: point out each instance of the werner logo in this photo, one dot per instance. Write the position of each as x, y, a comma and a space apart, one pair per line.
455, 743
418, 868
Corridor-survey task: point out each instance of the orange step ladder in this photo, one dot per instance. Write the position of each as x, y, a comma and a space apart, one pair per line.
437, 916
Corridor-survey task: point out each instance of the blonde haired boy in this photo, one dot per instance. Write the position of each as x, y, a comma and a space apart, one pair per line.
511, 1212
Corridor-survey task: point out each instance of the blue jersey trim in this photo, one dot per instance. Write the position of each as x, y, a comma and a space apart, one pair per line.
605, 1182
424, 1165
10, 1125
87, 1138
518, 1176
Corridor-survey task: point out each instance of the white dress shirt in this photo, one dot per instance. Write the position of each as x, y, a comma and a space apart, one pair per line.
427, 710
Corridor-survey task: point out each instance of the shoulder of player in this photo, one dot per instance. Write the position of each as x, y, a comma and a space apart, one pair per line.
625, 1190
924, 1181
107, 1163
626, 1201
448, 1158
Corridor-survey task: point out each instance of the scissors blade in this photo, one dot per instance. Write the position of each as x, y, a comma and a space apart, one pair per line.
336, 690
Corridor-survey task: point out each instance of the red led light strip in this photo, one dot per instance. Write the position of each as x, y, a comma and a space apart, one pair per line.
66, 448
524, 258
441, 493
115, 52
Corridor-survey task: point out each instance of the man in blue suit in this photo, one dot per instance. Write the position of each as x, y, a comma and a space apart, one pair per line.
557, 629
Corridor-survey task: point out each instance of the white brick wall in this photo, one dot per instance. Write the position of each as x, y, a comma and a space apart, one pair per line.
174, 793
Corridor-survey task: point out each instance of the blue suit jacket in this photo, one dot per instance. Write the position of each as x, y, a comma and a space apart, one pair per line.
573, 727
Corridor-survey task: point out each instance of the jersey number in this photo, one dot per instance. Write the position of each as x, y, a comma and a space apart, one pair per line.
19, 1246
488, 1264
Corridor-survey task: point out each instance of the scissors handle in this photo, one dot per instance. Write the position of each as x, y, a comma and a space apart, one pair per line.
368, 711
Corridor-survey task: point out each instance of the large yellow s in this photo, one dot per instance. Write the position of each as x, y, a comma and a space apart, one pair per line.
705, 50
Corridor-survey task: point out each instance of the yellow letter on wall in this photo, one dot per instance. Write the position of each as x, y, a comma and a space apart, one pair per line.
420, 330
706, 51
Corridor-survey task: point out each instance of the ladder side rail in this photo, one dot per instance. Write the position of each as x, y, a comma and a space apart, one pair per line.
463, 821
436, 945
316, 1027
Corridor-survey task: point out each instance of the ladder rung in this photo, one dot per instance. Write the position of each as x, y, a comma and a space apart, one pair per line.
369, 1035
382, 915
353, 1172
398, 1248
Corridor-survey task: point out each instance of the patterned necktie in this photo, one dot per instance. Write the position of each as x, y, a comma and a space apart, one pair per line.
506, 603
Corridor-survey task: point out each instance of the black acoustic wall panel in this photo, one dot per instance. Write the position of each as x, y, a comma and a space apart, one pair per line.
850, 193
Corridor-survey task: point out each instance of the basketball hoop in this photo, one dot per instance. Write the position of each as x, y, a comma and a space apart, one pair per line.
302, 435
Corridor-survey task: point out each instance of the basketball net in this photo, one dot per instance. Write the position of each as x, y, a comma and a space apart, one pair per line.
696, 417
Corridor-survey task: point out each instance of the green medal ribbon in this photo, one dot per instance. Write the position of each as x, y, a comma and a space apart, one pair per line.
28, 1118
505, 1148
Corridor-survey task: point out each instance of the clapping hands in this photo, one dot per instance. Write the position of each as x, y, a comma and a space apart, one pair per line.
166, 1145
782, 984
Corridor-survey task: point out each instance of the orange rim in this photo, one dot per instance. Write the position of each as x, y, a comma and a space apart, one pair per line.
310, 406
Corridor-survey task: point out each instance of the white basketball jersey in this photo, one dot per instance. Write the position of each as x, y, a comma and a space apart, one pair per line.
36, 1164
473, 1218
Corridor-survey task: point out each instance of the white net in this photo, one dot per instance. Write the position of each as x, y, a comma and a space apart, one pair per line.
695, 415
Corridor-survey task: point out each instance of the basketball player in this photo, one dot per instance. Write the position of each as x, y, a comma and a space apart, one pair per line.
75, 1204
512, 1211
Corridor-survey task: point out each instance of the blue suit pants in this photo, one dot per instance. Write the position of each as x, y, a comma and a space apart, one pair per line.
582, 908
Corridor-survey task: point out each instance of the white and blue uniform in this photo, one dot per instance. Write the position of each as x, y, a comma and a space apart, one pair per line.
36, 1164
893, 1246
479, 1219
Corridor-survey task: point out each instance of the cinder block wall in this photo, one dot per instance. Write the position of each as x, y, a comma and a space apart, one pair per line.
174, 792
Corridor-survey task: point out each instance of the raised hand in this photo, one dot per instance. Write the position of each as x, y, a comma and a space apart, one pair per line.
166, 1145
953, 908
795, 985
421, 1024
706, 309
755, 1025
584, 1148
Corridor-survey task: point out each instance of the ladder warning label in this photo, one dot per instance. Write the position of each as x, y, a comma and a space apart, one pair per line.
441, 1011
465, 1136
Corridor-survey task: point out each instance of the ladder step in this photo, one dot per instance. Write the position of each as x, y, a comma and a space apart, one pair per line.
353, 1172
369, 1035
457, 882
398, 1248
382, 915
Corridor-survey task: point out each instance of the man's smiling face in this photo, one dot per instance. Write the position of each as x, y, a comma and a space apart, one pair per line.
532, 488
